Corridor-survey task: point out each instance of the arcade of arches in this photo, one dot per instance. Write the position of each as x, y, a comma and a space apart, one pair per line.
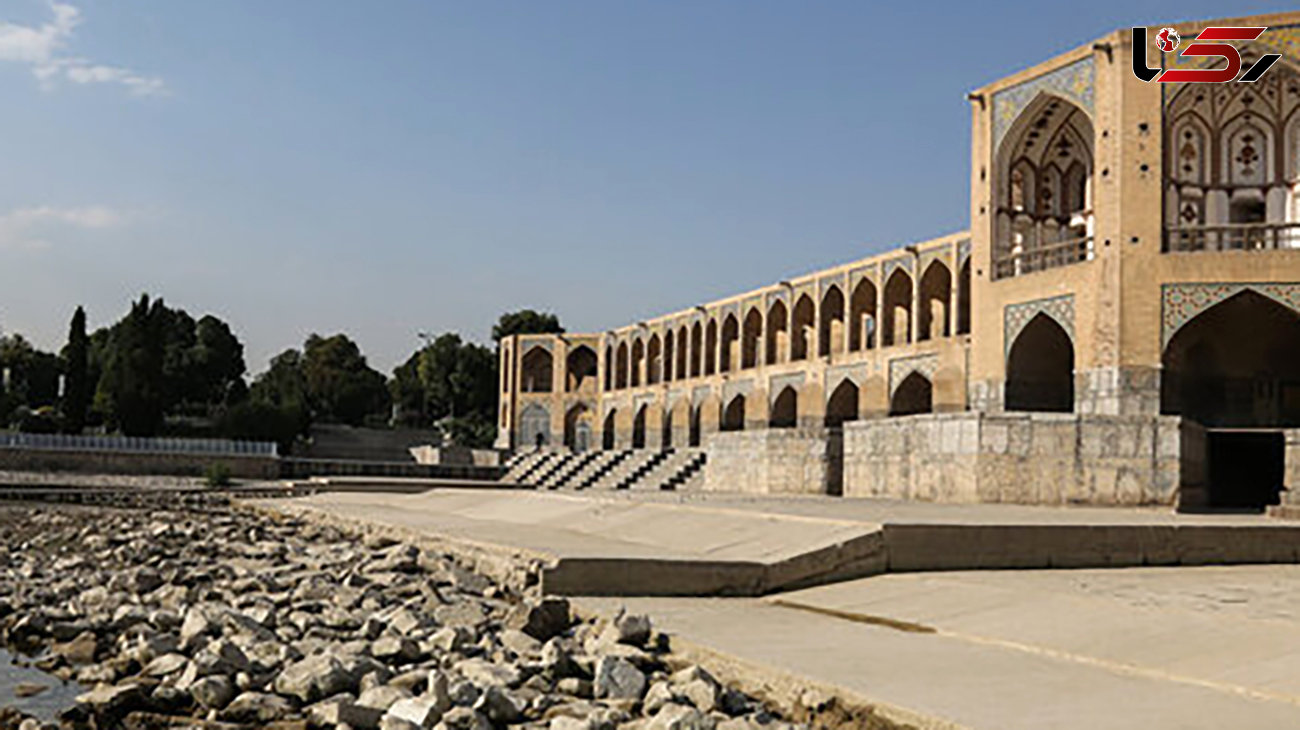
1119, 325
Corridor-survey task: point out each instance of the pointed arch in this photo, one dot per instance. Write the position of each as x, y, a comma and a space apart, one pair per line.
733, 415
683, 353
536, 371
830, 330
638, 363
896, 320
577, 428
580, 367
638, 427
711, 347
609, 430
963, 298
534, 426
935, 297
670, 355
1040, 368
654, 360
803, 324
862, 316
697, 349
730, 341
912, 396
785, 409
621, 366
753, 334
778, 332
842, 406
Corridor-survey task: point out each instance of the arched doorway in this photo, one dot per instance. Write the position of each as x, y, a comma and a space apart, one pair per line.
638, 428
697, 348
914, 395
536, 371
785, 409
963, 299
693, 439
830, 331
620, 367
749, 356
862, 316
778, 332
638, 362
607, 431
711, 347
733, 416
580, 369
843, 404
534, 426
932, 321
896, 320
730, 340
654, 361
577, 428
802, 327
666, 429
1040, 368
1235, 368
670, 360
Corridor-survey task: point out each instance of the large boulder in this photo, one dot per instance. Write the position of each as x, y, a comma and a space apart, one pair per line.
314, 678
619, 679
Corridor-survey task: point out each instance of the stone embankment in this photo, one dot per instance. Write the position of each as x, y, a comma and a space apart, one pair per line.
226, 618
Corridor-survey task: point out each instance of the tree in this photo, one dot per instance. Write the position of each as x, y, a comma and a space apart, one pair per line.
341, 386
451, 383
216, 363
76, 384
132, 388
525, 322
32, 377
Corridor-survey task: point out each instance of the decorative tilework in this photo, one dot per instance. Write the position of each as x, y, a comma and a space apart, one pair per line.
733, 388
699, 393
902, 367
1180, 303
904, 262
1073, 82
1283, 39
528, 347
963, 251
777, 383
644, 399
856, 373
1016, 316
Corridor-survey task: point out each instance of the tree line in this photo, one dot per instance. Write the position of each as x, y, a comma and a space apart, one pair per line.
159, 371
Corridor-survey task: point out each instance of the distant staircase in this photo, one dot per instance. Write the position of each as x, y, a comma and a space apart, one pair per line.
613, 469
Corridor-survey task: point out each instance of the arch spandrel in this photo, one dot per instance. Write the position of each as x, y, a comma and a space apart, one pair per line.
1180, 303
1016, 316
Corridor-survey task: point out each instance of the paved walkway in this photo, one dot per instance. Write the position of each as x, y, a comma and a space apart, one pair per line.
1142, 648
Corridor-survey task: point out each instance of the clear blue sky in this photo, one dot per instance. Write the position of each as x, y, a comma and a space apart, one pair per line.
380, 168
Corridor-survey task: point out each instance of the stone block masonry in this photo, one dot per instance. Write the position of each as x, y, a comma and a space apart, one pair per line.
770, 461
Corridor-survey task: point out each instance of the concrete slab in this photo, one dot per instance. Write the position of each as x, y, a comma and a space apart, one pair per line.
692, 544
1136, 648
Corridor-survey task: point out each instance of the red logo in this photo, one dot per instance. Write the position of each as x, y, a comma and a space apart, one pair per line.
1167, 40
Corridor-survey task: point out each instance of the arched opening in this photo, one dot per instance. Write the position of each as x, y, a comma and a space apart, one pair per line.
897, 319
638, 428
669, 357
753, 333
711, 347
683, 351
535, 426
694, 437
697, 349
963, 299
621, 366
580, 370
802, 328
1042, 182
654, 361
936, 294
830, 332
1235, 365
1040, 368
733, 416
913, 395
607, 432
1235, 368
535, 371
577, 428
862, 316
609, 368
638, 362
785, 409
730, 343
778, 333
843, 404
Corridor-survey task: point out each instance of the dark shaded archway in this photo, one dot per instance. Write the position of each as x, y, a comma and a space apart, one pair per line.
862, 316
778, 333
693, 438
730, 341
934, 320
803, 324
608, 430
843, 404
536, 371
749, 354
785, 409
580, 369
1040, 368
638, 428
914, 395
733, 416
963, 299
896, 319
577, 428
830, 330
1237, 365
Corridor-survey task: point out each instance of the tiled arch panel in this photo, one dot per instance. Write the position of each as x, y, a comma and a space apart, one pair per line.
1016, 316
1181, 303
1073, 82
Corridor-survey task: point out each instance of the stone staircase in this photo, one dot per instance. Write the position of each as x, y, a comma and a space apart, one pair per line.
649, 469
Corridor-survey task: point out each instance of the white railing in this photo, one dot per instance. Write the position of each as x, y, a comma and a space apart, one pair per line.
1041, 258
138, 445
1233, 237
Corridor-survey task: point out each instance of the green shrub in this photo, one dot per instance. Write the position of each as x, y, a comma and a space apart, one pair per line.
217, 475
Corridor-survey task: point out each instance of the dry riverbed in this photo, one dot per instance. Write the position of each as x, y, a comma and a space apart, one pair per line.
228, 618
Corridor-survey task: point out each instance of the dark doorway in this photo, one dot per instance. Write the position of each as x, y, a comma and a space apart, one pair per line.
1246, 469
